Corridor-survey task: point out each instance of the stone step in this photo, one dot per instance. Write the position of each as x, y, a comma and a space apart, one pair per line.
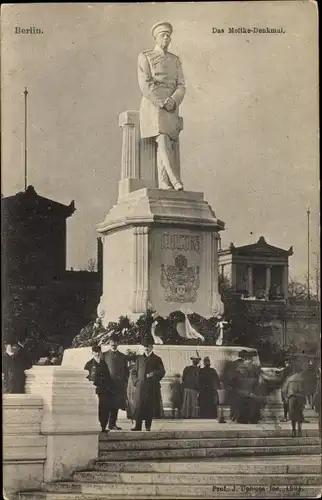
166, 444
198, 478
156, 454
243, 432
284, 465
96, 491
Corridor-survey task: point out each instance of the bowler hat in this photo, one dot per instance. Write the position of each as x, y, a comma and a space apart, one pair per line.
161, 27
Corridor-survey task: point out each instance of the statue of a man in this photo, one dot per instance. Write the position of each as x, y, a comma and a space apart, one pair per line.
162, 84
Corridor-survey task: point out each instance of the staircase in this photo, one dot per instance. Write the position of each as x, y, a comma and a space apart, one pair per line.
223, 463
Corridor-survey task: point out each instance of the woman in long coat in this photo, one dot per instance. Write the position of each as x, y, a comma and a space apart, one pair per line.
146, 375
190, 383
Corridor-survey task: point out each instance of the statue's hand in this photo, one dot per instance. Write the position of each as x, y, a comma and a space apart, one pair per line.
170, 105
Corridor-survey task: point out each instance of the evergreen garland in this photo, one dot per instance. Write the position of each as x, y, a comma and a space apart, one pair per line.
129, 332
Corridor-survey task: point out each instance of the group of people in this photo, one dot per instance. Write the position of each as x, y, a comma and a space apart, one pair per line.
122, 384
134, 385
195, 395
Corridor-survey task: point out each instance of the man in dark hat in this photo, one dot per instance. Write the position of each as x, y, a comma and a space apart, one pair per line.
15, 361
99, 374
209, 384
245, 381
190, 383
146, 376
118, 368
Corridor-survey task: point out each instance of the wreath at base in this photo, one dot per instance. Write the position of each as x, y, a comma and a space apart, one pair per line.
129, 332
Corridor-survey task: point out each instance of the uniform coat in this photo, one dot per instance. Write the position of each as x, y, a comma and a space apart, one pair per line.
160, 77
98, 373
147, 396
117, 365
246, 404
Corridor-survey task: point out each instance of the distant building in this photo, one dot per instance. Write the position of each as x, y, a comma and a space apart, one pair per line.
259, 273
39, 295
33, 234
256, 271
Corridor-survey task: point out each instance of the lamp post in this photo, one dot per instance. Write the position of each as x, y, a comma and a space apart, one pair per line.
308, 254
26, 94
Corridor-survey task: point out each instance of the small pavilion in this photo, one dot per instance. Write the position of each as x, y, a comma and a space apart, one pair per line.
258, 271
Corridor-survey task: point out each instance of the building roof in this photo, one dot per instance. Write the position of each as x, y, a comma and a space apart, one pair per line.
29, 202
260, 248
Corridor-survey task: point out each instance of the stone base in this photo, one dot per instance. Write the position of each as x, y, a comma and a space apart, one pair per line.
159, 251
24, 449
69, 420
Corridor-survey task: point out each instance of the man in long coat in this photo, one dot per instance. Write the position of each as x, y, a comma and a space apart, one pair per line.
245, 382
99, 374
15, 361
146, 375
209, 384
118, 368
162, 85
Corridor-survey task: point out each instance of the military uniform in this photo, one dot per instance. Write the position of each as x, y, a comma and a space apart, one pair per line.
160, 77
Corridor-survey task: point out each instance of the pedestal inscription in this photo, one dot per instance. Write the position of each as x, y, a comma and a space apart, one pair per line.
180, 270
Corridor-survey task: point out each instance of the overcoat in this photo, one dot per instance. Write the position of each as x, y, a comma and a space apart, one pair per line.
160, 76
14, 371
209, 384
147, 397
99, 374
117, 365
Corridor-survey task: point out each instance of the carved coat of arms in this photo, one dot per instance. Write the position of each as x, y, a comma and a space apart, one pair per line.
180, 282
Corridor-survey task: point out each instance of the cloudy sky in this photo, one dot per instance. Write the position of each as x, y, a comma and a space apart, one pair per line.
250, 139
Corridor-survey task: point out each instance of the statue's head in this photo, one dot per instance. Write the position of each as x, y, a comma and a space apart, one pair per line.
162, 32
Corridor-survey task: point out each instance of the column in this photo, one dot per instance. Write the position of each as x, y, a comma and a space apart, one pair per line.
148, 162
217, 306
285, 282
130, 167
268, 282
141, 270
233, 276
250, 281
130, 162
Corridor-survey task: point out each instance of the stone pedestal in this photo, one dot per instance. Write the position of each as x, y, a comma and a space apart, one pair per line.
70, 418
24, 448
160, 250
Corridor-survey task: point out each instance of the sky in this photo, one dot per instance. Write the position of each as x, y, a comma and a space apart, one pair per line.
250, 138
